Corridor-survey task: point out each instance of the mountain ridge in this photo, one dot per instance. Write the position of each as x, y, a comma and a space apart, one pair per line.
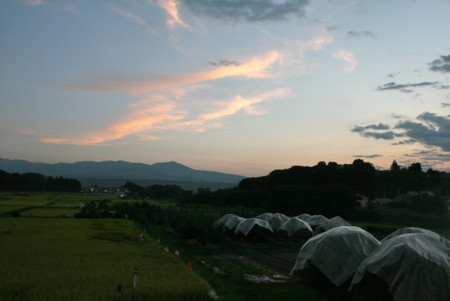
170, 171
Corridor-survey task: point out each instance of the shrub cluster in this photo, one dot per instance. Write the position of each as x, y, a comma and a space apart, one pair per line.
189, 223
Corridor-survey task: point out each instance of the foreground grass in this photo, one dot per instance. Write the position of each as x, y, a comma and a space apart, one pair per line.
82, 259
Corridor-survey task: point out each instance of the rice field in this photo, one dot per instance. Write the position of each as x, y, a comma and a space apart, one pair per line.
89, 259
64, 204
49, 212
11, 202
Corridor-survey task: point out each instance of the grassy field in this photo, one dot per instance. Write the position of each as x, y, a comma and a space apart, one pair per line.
84, 259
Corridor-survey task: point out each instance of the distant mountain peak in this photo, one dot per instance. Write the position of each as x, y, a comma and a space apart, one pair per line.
165, 171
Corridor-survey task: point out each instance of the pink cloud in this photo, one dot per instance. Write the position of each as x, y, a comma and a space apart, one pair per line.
348, 57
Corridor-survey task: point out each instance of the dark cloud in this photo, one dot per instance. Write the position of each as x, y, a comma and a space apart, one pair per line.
248, 10
445, 104
403, 87
377, 131
429, 129
428, 158
388, 135
397, 116
409, 141
367, 156
332, 27
225, 63
432, 130
359, 34
380, 126
392, 75
441, 65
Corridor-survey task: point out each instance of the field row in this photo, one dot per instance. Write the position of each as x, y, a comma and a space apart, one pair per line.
52, 204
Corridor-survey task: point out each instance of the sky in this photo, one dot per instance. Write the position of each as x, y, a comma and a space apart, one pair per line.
242, 87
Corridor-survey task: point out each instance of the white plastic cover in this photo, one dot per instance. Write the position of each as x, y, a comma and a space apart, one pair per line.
315, 220
418, 230
232, 223
223, 219
277, 220
304, 216
337, 253
415, 266
294, 225
265, 216
334, 222
247, 225
281, 215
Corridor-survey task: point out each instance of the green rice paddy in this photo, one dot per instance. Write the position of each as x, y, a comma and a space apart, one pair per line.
89, 259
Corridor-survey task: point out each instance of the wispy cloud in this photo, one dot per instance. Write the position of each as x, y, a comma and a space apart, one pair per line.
136, 122
367, 156
254, 68
163, 115
161, 105
359, 34
404, 87
248, 11
34, 2
171, 8
347, 57
319, 42
244, 103
224, 62
134, 18
70, 8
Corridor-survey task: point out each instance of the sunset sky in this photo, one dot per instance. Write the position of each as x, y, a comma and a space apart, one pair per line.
241, 87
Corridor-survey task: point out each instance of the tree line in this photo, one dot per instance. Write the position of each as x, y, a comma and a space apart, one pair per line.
36, 182
327, 188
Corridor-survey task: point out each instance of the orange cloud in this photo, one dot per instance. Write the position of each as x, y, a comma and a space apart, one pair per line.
165, 115
137, 122
171, 7
254, 68
157, 111
241, 103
